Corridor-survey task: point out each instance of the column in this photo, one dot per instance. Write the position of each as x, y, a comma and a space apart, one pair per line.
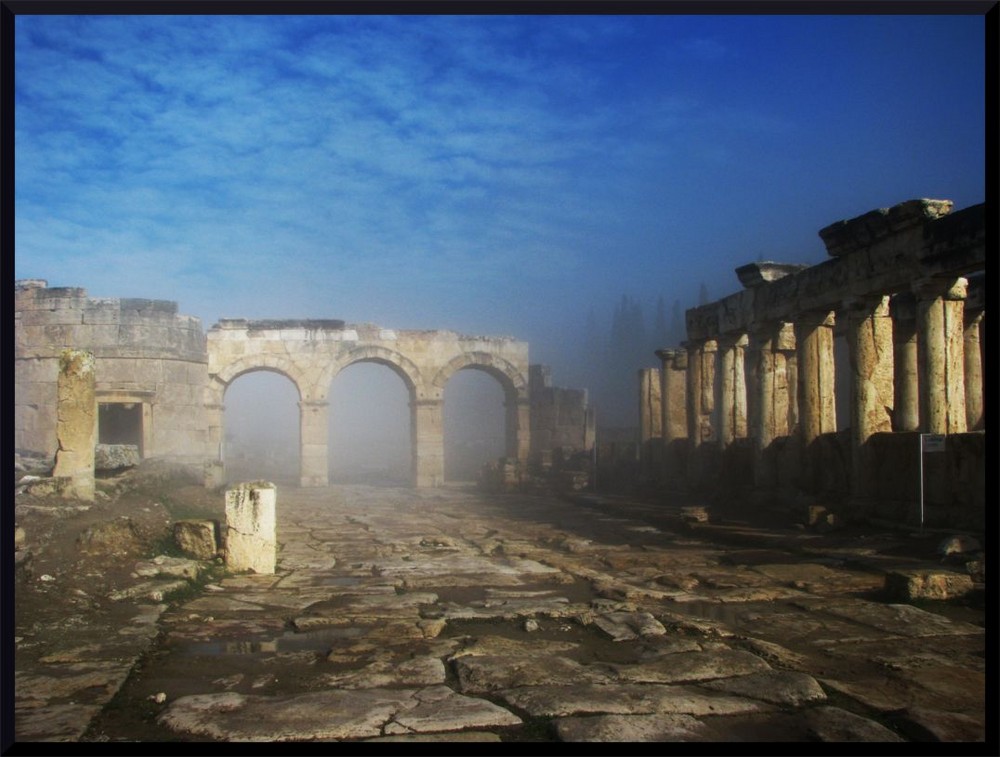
940, 306
869, 340
215, 471
733, 392
251, 533
973, 356
673, 404
774, 347
701, 404
906, 410
76, 424
313, 443
427, 435
817, 413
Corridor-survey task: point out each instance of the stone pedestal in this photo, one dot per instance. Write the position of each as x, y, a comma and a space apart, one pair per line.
251, 539
76, 426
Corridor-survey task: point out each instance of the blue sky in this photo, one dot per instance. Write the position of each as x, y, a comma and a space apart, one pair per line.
490, 175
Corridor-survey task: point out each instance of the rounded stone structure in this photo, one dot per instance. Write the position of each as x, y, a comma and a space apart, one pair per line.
151, 368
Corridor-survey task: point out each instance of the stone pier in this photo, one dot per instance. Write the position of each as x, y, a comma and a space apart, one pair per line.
251, 527
76, 429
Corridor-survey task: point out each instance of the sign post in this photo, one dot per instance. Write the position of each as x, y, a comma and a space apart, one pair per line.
928, 443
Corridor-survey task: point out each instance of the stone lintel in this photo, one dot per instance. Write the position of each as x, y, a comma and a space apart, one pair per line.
766, 271
847, 236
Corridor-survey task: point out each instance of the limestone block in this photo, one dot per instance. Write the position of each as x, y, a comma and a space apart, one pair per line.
251, 542
197, 538
76, 428
907, 585
115, 456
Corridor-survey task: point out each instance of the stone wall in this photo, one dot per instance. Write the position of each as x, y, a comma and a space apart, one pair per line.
562, 422
145, 354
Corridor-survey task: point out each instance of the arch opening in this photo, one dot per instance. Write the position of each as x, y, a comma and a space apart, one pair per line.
261, 428
369, 426
475, 423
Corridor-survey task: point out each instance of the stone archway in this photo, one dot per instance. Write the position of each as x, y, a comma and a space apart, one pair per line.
311, 353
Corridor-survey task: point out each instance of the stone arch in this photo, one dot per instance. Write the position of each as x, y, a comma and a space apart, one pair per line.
250, 363
402, 366
513, 380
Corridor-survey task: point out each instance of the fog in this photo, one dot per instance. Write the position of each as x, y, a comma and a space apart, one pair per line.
369, 426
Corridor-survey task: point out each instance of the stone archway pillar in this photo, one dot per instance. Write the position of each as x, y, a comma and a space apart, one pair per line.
869, 340
518, 431
817, 408
313, 443
215, 472
940, 305
427, 430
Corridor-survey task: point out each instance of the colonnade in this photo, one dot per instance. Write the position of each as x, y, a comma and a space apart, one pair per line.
759, 365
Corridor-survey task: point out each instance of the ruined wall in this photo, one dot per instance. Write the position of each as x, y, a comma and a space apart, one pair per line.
146, 356
562, 423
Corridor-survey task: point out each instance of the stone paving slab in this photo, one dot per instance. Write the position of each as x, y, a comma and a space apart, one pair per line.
625, 699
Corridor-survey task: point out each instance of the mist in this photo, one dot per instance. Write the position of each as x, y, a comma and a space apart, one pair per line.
369, 427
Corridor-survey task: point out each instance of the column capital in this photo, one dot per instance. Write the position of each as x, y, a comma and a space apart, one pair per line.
948, 288
867, 305
816, 318
728, 341
781, 334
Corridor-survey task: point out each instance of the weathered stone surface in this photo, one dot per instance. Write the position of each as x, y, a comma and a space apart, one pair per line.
54, 722
329, 715
251, 541
904, 620
625, 699
422, 671
198, 538
503, 646
775, 686
909, 585
936, 725
630, 728
76, 429
835, 724
691, 667
154, 591
486, 673
622, 626
110, 457
116, 538
163, 565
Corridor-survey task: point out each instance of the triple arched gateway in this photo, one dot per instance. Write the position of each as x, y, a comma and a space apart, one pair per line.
312, 353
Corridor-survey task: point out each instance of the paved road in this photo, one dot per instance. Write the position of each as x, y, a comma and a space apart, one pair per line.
400, 614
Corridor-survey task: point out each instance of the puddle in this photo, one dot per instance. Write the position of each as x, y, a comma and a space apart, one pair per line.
319, 640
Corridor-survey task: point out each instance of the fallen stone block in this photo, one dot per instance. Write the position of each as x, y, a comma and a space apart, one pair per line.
173, 567
110, 457
908, 585
198, 538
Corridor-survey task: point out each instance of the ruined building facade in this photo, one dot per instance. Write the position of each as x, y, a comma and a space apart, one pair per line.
159, 381
894, 319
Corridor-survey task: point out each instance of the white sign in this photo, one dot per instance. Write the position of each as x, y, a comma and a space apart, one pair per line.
932, 442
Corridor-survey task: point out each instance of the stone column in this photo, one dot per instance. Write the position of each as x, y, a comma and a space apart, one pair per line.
973, 356
215, 468
733, 391
673, 404
518, 428
650, 420
774, 346
251, 533
314, 432
427, 435
906, 410
940, 305
76, 424
701, 404
869, 340
817, 409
